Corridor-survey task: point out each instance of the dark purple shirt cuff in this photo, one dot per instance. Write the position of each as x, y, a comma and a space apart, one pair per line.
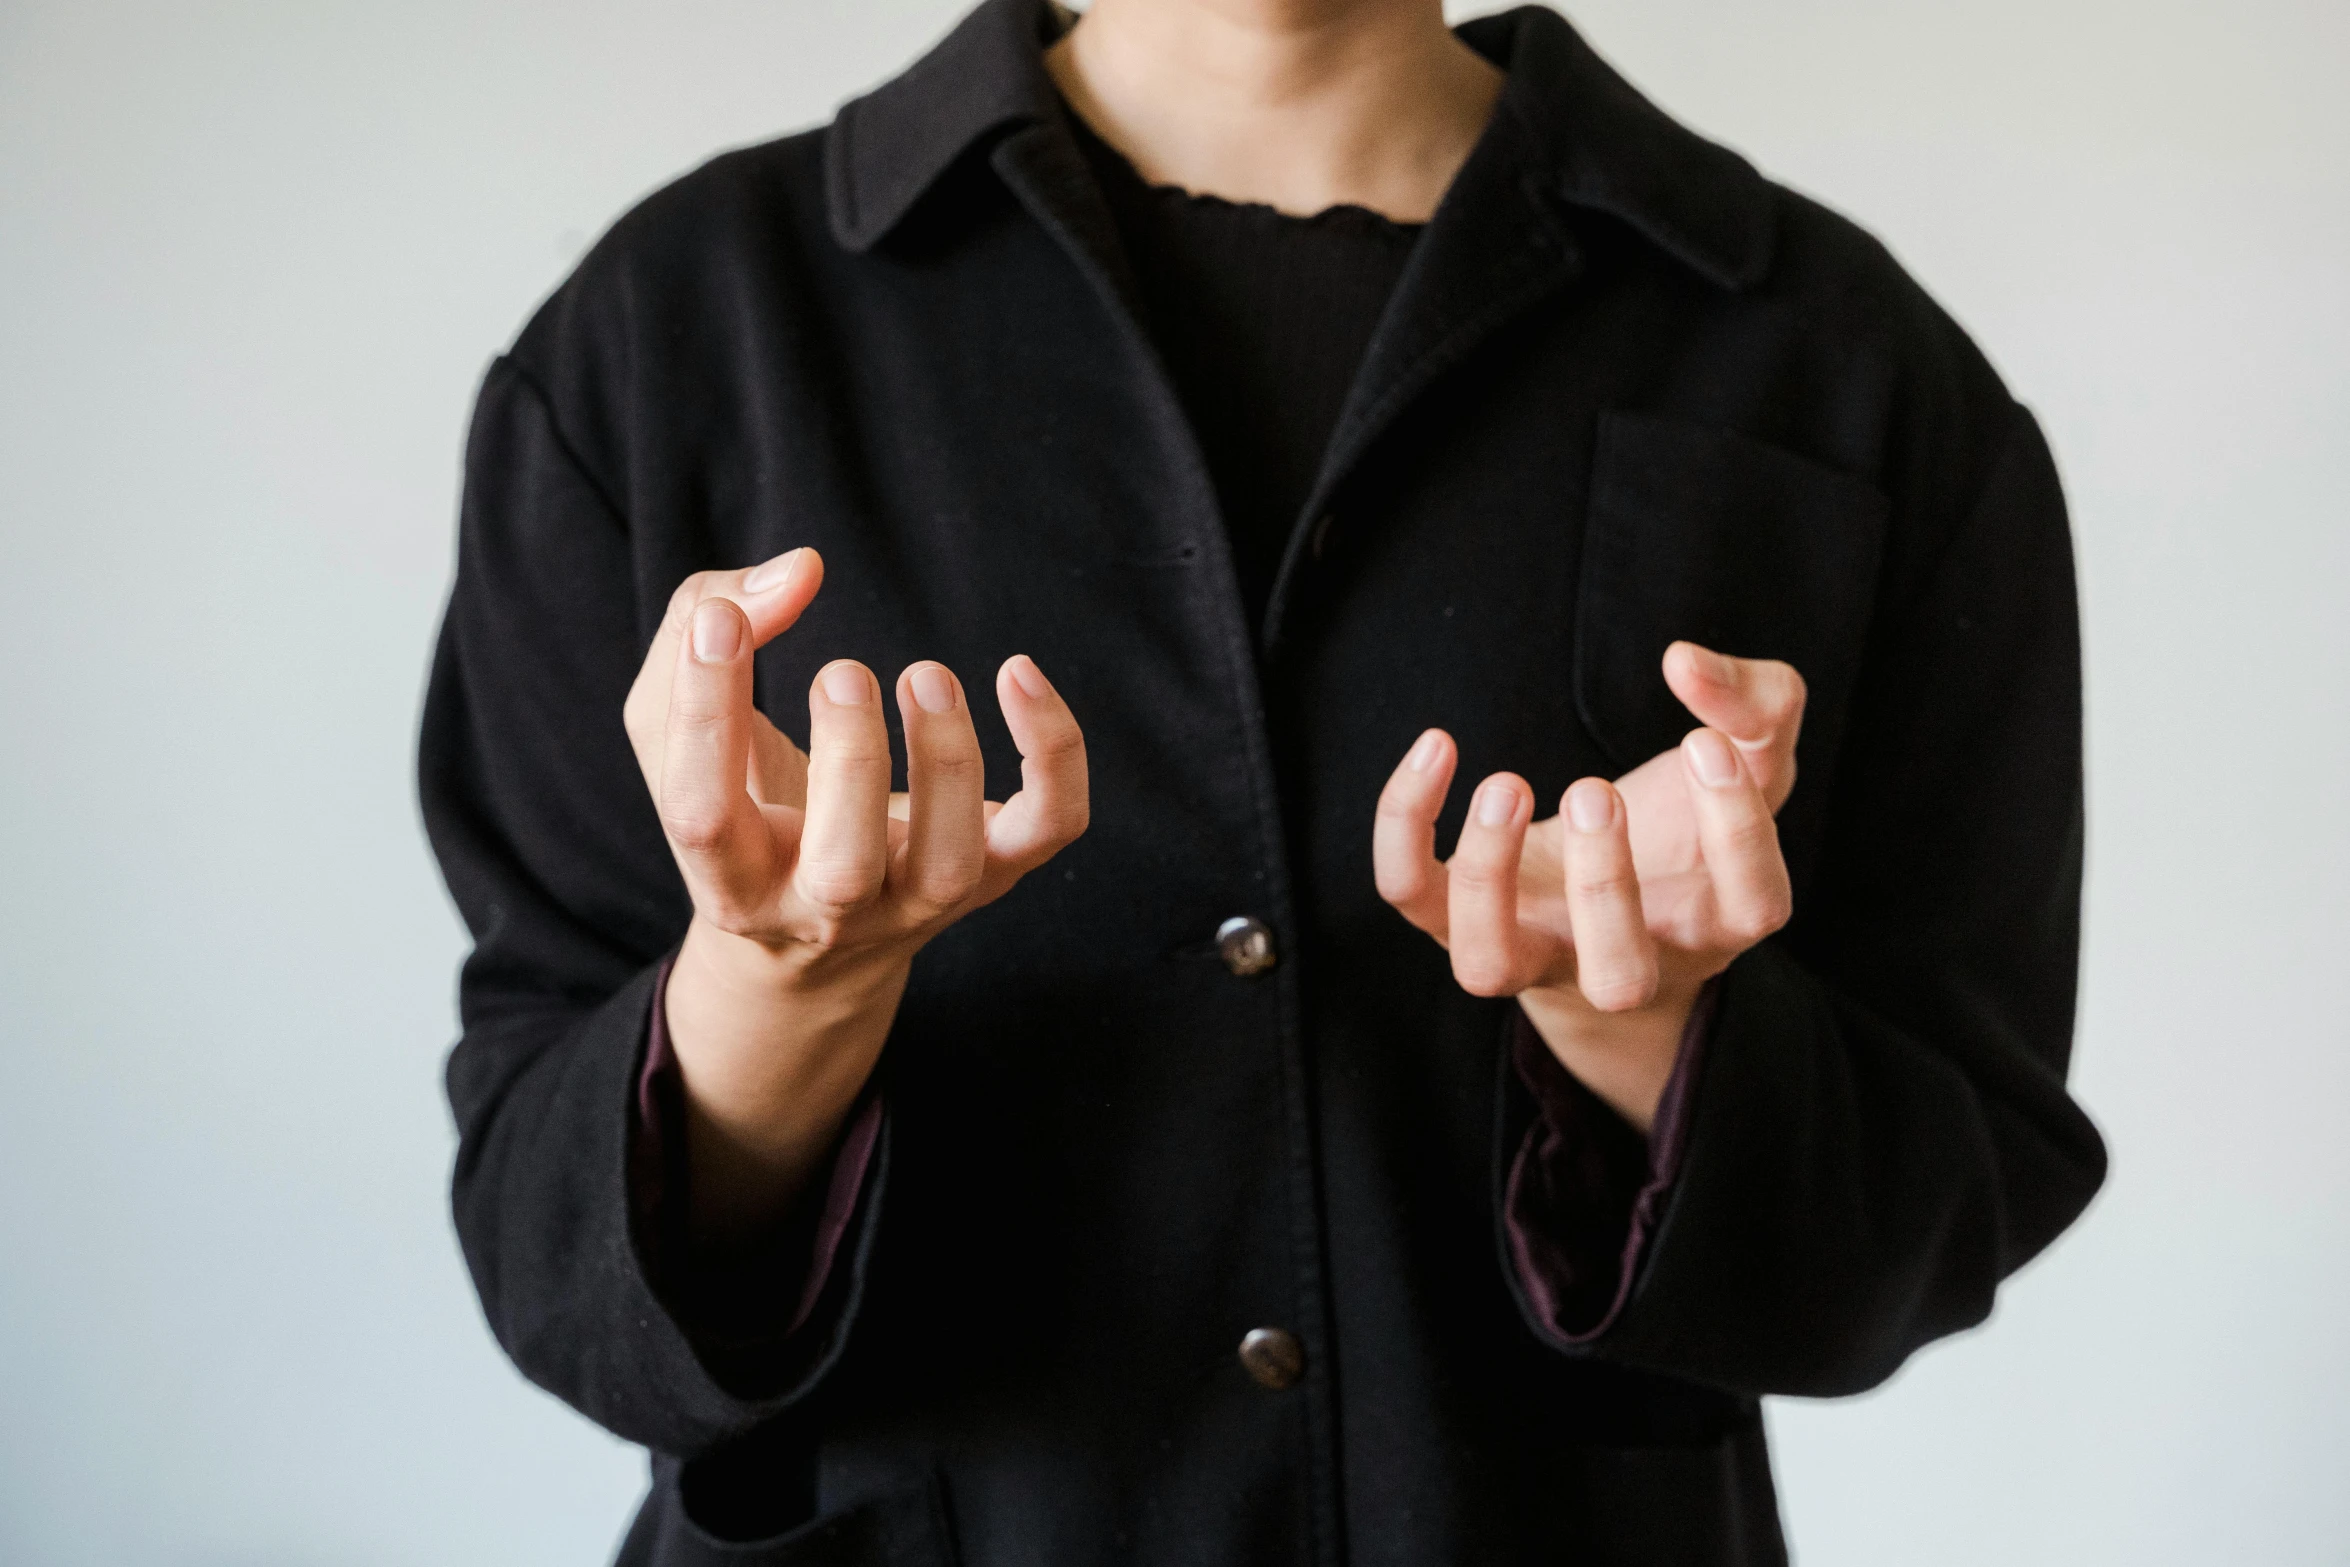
1585, 1191
807, 1249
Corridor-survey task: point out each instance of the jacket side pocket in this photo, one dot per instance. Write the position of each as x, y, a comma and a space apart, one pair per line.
906, 1528
1672, 1505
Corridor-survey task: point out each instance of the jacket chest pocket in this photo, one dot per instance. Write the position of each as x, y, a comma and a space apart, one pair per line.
1727, 541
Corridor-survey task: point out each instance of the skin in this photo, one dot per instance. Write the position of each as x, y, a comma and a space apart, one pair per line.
1299, 104
814, 887
1606, 919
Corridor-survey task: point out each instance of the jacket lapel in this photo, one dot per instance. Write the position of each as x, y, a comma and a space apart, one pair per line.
1497, 245
1568, 136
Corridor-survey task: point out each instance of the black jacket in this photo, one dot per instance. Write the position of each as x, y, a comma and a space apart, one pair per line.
1627, 391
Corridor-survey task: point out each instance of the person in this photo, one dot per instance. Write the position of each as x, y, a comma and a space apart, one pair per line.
1302, 410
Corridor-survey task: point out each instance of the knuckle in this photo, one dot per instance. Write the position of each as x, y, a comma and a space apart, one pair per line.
1765, 916
694, 828
836, 886
943, 887
850, 751
691, 714
730, 916
1060, 741
1622, 990
819, 929
950, 764
1752, 837
1399, 803
1476, 878
1009, 869
1604, 886
1480, 973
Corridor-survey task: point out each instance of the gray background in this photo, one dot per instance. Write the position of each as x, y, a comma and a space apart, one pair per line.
253, 257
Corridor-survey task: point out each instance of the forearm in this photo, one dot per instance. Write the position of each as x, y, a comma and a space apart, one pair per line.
773, 1047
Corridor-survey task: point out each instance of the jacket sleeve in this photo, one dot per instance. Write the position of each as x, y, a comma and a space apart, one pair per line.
742, 1310
1584, 1190
1880, 1132
553, 853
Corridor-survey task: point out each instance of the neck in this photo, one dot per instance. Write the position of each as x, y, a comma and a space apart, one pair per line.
1298, 104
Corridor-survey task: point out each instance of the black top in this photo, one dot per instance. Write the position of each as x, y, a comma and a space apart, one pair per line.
1261, 318
1626, 391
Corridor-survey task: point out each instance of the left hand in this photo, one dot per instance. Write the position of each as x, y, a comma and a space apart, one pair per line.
1606, 919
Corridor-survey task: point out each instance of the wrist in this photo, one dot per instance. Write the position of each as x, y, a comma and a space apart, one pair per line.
773, 1046
796, 978
1624, 1058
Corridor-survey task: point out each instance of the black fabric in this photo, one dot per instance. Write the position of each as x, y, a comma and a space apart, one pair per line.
1261, 319
1625, 389
1579, 1182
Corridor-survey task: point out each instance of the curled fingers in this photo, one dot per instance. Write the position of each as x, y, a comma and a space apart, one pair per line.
945, 849
1615, 957
1054, 804
1493, 953
714, 828
1740, 841
844, 844
1403, 833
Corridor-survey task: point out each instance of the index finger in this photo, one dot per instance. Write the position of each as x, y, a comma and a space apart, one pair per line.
1403, 835
717, 834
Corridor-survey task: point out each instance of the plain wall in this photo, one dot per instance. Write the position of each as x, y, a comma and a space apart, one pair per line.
253, 258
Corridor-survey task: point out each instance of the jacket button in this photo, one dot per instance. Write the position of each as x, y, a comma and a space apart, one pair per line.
1245, 945
1272, 1358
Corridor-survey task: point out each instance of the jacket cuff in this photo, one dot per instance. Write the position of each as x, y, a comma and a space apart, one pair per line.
745, 1319
1584, 1191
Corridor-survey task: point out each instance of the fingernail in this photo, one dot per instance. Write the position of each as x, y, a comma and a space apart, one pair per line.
846, 685
718, 631
934, 691
771, 573
1716, 668
1029, 678
1591, 806
1497, 802
1424, 752
1710, 756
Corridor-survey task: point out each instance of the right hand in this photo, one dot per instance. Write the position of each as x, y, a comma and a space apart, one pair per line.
813, 886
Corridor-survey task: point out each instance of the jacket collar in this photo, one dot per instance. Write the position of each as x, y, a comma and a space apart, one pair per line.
890, 146
1593, 139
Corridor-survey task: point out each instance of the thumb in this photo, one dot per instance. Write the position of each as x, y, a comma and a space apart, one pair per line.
1757, 702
